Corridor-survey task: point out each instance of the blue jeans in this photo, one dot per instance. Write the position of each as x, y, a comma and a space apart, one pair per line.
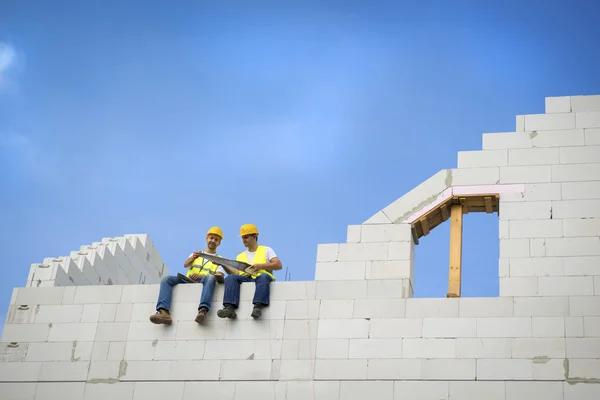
232, 289
166, 291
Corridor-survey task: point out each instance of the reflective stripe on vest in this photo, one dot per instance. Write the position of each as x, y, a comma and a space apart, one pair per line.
260, 257
202, 268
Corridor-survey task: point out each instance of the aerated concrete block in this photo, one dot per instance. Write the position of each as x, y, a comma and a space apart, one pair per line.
509, 327
535, 228
587, 119
528, 174
448, 369
482, 158
541, 306
548, 122
578, 227
592, 136
375, 348
353, 233
412, 201
25, 333
397, 269
535, 156
18, 391
98, 294
531, 348
568, 247
468, 348
328, 252
363, 251
521, 286
529, 210
514, 248
349, 270
341, 290
343, 329
576, 209
566, 286
543, 266
507, 140
475, 176
583, 348
340, 370
580, 190
336, 309
396, 328
432, 308
579, 155
575, 173
585, 103
544, 327
485, 307
449, 327
558, 104
385, 233
379, 308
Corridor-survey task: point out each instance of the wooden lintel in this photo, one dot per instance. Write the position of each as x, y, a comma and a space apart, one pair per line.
488, 205
425, 226
445, 213
456, 229
464, 204
415, 235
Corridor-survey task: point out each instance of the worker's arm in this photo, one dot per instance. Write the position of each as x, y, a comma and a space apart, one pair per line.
220, 275
273, 265
190, 260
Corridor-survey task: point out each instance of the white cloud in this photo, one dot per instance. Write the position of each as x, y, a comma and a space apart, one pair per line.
8, 58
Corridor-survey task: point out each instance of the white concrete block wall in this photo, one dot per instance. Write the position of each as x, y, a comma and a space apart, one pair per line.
356, 331
122, 260
317, 340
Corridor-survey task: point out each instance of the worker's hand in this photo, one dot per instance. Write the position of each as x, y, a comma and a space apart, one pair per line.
195, 277
196, 254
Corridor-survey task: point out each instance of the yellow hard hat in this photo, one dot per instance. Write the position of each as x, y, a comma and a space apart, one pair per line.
215, 230
248, 229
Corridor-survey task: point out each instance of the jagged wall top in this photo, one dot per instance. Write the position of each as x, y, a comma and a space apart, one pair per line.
129, 259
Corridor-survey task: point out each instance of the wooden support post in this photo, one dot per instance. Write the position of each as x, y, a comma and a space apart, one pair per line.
456, 229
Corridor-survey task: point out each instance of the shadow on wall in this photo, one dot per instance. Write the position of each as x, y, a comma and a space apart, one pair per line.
479, 261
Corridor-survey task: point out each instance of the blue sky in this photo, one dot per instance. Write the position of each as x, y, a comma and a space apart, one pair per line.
134, 117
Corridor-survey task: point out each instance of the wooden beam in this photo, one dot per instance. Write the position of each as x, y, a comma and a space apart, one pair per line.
488, 205
445, 213
465, 205
456, 229
415, 235
425, 226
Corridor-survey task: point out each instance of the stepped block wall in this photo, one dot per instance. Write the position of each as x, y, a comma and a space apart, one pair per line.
360, 334
130, 259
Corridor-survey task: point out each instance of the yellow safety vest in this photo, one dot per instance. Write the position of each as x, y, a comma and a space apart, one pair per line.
259, 258
202, 267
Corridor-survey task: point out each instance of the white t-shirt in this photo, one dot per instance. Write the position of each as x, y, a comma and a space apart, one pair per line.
219, 268
270, 255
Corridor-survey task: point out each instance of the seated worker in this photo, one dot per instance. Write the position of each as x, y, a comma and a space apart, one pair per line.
200, 271
263, 261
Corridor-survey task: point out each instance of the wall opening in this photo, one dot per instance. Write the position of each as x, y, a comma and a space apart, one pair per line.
457, 248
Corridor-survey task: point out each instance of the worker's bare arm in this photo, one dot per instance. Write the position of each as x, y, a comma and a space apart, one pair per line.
190, 260
273, 265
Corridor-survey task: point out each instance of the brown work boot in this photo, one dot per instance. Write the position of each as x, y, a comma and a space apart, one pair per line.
201, 315
161, 317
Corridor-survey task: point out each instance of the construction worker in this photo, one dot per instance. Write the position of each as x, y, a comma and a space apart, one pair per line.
263, 261
199, 271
